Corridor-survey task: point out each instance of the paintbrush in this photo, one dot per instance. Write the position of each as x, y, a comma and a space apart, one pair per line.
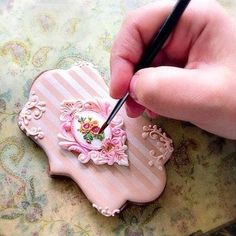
152, 50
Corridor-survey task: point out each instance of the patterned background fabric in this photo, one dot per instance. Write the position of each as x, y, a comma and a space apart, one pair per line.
36, 35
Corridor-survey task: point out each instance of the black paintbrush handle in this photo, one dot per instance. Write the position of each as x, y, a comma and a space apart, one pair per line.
155, 46
162, 35
117, 108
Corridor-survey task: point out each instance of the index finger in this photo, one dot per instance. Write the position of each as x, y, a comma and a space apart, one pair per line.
137, 31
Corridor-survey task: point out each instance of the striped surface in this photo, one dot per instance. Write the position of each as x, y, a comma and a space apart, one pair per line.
106, 186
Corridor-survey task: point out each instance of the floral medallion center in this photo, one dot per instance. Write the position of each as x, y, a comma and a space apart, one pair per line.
85, 127
79, 133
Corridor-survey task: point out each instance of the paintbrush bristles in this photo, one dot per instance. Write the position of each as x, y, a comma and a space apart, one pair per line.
103, 127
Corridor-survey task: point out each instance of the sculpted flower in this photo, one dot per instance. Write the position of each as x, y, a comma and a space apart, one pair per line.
67, 126
108, 145
118, 132
80, 134
113, 150
68, 109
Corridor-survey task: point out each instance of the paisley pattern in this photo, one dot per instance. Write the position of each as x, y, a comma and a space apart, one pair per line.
40, 35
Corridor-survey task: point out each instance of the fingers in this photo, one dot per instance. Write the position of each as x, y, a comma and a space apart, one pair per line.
129, 44
138, 29
152, 114
189, 95
133, 109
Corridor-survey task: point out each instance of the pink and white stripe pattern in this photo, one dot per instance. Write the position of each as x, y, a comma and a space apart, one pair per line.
108, 188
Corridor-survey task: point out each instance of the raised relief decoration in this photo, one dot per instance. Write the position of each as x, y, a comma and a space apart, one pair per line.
125, 163
164, 145
33, 109
79, 133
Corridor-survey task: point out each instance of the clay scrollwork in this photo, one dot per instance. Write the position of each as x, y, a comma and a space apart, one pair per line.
106, 212
33, 109
164, 145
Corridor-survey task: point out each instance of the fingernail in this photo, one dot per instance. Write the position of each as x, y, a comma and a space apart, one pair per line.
127, 110
151, 114
132, 87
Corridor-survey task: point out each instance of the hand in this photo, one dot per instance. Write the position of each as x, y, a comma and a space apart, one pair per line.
192, 79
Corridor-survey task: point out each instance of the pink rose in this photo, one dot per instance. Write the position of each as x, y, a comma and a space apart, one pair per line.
86, 126
116, 141
117, 132
107, 144
95, 129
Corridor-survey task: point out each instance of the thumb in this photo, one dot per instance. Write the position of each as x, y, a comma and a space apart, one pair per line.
184, 94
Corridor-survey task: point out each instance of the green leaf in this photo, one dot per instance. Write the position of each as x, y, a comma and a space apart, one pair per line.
100, 137
90, 136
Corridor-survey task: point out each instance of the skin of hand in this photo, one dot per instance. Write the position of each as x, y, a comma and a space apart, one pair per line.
192, 79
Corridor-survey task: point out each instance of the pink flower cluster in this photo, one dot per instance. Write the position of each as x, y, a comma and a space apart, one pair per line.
113, 148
